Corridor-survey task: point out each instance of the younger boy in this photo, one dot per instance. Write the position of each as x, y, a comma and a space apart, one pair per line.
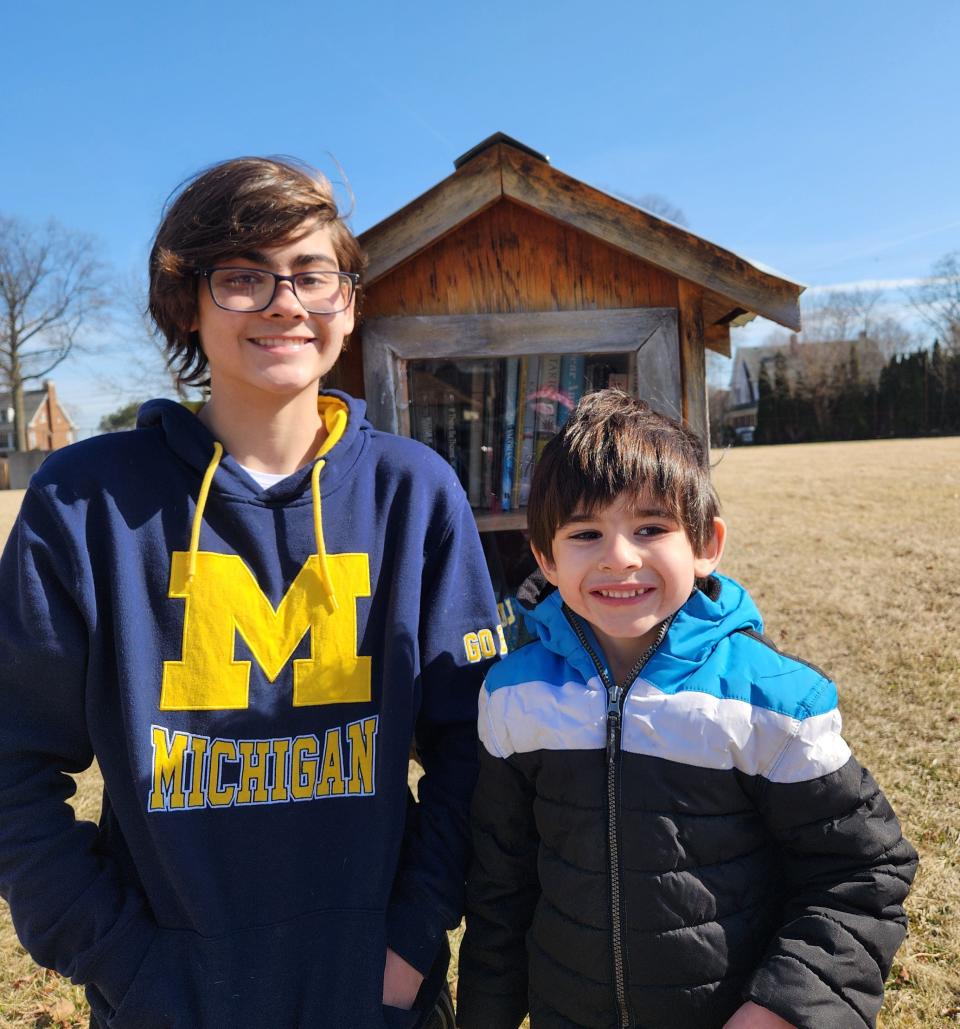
669, 829
246, 614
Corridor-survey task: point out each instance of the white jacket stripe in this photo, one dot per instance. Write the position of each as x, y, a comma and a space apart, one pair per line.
689, 727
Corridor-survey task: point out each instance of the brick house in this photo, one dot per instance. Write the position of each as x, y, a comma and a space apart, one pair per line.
49, 427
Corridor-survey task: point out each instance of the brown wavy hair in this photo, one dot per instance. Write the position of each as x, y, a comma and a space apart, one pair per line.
247, 203
614, 445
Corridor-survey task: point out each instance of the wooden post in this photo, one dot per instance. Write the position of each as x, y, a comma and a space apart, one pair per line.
693, 358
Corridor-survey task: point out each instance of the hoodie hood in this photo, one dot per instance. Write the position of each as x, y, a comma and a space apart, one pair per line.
183, 432
192, 441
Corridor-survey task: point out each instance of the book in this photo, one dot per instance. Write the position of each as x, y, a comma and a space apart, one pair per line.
526, 443
571, 386
548, 389
518, 432
509, 427
422, 410
451, 403
491, 446
473, 416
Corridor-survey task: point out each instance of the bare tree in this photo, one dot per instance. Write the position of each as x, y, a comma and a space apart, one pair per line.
50, 283
840, 315
154, 376
937, 300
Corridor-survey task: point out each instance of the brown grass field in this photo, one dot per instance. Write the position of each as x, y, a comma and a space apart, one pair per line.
852, 551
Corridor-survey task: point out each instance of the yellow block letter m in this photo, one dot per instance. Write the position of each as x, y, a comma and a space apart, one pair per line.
223, 598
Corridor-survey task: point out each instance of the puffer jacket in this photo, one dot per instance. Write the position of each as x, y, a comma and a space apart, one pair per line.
655, 855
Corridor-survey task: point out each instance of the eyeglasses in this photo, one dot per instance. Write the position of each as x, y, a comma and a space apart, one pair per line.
253, 289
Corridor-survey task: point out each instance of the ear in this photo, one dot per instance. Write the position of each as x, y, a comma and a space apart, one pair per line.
707, 562
547, 565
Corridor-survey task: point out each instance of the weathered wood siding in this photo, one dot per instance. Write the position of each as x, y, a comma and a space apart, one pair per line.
510, 259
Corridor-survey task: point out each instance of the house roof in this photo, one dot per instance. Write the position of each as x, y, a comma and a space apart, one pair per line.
32, 400
736, 289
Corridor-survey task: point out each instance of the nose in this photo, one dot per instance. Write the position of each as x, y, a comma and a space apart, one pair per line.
285, 303
619, 553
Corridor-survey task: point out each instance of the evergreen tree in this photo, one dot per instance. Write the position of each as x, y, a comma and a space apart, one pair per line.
766, 409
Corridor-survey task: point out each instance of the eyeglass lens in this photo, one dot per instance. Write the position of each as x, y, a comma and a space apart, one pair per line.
248, 289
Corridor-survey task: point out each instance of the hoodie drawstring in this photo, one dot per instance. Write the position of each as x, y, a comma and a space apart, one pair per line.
198, 512
317, 522
318, 533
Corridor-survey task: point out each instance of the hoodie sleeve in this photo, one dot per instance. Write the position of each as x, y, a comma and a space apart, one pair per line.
71, 909
848, 869
459, 632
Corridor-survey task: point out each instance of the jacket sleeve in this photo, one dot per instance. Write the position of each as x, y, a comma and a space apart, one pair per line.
70, 907
848, 869
459, 632
502, 893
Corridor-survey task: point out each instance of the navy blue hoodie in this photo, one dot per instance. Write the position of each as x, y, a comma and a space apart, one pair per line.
249, 668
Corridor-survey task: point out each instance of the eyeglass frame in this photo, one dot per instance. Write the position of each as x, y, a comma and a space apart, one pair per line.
206, 273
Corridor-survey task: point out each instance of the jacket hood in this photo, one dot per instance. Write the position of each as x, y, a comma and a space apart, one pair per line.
715, 612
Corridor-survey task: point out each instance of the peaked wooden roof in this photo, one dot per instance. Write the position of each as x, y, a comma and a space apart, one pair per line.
501, 167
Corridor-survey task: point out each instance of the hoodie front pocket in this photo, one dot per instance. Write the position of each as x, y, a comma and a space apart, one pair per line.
324, 970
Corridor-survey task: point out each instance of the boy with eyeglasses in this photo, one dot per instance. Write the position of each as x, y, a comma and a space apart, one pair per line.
670, 831
246, 614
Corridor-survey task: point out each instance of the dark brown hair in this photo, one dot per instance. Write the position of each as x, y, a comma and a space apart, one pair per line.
244, 204
614, 445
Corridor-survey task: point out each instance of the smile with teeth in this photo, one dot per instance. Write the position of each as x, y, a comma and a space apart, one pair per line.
280, 341
639, 591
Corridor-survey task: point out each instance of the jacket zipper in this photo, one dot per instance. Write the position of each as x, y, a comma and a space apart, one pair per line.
616, 696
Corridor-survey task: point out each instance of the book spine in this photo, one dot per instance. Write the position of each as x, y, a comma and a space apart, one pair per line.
474, 417
571, 387
450, 427
548, 391
518, 432
492, 372
423, 423
525, 464
511, 374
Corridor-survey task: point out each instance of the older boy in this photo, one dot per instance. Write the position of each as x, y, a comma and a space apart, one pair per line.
669, 829
246, 615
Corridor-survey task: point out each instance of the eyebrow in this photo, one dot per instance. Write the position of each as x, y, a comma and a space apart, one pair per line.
300, 261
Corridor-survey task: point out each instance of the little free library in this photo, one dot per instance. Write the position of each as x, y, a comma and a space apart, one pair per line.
496, 299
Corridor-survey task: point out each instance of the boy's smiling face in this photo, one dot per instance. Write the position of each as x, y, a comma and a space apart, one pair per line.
284, 349
624, 569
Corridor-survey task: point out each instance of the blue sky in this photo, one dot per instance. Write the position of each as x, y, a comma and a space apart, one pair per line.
820, 138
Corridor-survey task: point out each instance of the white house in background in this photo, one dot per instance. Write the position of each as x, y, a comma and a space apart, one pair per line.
49, 427
816, 361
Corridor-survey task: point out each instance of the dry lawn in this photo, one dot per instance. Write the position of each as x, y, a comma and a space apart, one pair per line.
852, 552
